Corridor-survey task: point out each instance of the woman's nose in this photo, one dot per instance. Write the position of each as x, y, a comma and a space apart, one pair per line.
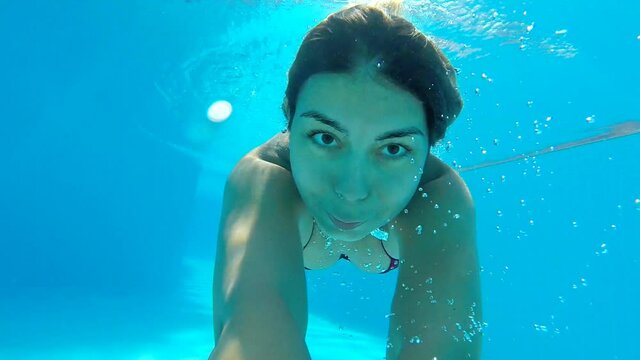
352, 185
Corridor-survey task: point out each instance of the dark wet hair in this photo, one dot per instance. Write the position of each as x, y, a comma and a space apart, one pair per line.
364, 35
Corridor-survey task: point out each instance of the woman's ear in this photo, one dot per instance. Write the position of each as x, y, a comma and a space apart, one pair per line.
285, 109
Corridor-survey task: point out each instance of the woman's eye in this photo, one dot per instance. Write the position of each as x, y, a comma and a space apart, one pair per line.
322, 138
393, 151
396, 151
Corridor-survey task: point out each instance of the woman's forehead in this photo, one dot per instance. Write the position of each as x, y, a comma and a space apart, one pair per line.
351, 98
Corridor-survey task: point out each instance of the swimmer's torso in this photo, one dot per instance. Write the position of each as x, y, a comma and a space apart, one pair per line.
368, 253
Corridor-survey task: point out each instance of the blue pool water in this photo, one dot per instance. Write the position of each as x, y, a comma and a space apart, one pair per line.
112, 175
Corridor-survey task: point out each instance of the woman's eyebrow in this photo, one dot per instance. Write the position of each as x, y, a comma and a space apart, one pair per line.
325, 120
400, 133
336, 125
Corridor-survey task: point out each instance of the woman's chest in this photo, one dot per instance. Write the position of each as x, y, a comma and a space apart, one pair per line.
369, 254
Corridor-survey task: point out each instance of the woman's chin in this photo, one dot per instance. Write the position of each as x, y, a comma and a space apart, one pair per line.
349, 236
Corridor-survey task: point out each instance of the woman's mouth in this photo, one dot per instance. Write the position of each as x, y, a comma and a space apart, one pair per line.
344, 225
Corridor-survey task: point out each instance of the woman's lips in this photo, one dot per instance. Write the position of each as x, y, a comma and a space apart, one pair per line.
344, 225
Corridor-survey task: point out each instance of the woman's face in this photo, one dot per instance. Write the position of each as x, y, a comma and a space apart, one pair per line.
357, 148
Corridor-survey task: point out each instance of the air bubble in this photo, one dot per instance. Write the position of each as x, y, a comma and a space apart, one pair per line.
419, 229
381, 235
604, 248
542, 328
466, 336
449, 146
415, 340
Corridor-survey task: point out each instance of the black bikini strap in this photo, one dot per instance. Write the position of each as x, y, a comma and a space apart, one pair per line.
310, 236
385, 250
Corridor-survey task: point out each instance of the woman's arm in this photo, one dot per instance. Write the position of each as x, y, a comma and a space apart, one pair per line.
260, 304
437, 303
261, 329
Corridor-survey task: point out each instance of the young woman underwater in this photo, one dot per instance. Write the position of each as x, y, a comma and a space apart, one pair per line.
352, 178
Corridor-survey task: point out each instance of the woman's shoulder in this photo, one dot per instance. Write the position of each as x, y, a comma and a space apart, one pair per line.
446, 189
257, 183
274, 151
440, 175
444, 200
254, 177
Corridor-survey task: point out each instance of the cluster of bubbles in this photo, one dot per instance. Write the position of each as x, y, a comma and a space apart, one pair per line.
477, 19
463, 331
545, 328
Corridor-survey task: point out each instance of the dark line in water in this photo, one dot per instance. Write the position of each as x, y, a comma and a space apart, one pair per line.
626, 128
